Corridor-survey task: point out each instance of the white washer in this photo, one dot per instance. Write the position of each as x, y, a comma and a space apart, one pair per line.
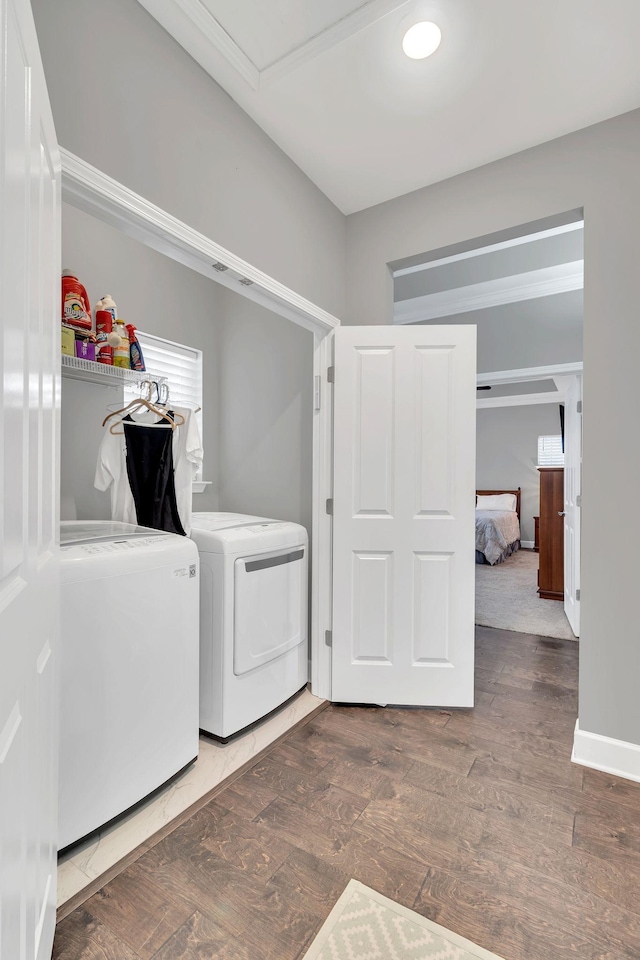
129, 668
253, 617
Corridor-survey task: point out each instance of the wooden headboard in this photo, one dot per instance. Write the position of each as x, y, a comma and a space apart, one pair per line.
491, 493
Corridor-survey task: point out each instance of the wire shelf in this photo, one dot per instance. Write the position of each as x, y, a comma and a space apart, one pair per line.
78, 368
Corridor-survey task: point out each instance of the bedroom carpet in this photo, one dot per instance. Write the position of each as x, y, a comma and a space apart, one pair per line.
364, 925
507, 598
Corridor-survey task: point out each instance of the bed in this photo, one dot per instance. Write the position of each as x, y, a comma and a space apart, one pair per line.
497, 527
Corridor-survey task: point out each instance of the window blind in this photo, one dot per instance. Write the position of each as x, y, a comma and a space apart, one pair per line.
550, 453
180, 364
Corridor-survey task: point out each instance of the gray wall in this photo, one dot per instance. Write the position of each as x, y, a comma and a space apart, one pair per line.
265, 373
135, 105
257, 379
507, 453
522, 258
157, 295
531, 333
132, 102
597, 169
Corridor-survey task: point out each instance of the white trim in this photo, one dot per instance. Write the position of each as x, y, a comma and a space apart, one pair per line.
617, 757
527, 544
200, 486
200, 34
562, 383
90, 190
110, 202
203, 36
520, 400
322, 542
529, 373
361, 18
216, 35
491, 248
547, 282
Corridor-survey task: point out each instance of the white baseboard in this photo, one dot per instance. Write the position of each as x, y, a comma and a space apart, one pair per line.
617, 757
527, 544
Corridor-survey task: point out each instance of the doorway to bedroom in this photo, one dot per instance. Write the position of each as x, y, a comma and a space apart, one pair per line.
524, 292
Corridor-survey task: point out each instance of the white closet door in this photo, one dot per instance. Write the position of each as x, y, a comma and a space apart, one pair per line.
29, 414
572, 490
404, 515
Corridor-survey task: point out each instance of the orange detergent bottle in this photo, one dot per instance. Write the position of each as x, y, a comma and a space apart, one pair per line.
76, 309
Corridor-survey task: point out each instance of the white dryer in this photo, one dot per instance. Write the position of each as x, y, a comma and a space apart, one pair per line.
253, 617
129, 668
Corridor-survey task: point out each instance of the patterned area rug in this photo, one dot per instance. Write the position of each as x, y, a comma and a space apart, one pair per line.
364, 925
507, 598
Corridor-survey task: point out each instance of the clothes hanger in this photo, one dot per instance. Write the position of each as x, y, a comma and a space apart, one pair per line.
158, 408
135, 405
163, 397
162, 394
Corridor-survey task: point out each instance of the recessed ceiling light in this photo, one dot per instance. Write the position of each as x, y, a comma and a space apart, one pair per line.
421, 40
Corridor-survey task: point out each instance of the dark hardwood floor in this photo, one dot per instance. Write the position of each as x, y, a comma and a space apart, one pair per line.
476, 819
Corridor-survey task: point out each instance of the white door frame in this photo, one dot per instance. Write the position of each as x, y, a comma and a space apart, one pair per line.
572, 501
90, 190
563, 374
30, 492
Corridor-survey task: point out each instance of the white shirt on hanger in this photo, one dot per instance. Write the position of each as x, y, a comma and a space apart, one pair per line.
111, 468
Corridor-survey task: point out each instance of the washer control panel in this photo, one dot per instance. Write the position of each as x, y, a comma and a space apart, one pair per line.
113, 546
261, 527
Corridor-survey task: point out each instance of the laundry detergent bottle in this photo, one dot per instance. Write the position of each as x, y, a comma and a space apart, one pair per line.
120, 340
108, 303
135, 350
76, 309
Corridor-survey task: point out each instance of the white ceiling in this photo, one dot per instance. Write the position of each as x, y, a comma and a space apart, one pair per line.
329, 83
266, 32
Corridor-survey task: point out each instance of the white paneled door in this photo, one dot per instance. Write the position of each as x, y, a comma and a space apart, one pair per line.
572, 509
29, 404
404, 515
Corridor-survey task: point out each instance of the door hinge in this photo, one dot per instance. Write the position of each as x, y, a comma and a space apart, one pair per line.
331, 374
328, 638
579, 406
577, 594
316, 393
329, 506
579, 500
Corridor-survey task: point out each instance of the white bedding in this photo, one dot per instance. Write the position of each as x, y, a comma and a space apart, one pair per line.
495, 531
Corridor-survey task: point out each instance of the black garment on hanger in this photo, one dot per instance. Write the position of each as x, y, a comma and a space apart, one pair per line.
150, 472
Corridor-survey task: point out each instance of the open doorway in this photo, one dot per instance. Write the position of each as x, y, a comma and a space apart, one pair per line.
524, 293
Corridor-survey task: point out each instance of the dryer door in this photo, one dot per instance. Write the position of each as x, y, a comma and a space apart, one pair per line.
270, 609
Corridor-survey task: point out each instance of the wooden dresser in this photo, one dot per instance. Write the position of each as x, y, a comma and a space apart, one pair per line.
551, 534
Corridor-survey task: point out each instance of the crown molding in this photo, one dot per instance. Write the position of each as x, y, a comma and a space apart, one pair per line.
525, 374
521, 400
197, 30
365, 15
490, 248
546, 282
201, 34
97, 194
